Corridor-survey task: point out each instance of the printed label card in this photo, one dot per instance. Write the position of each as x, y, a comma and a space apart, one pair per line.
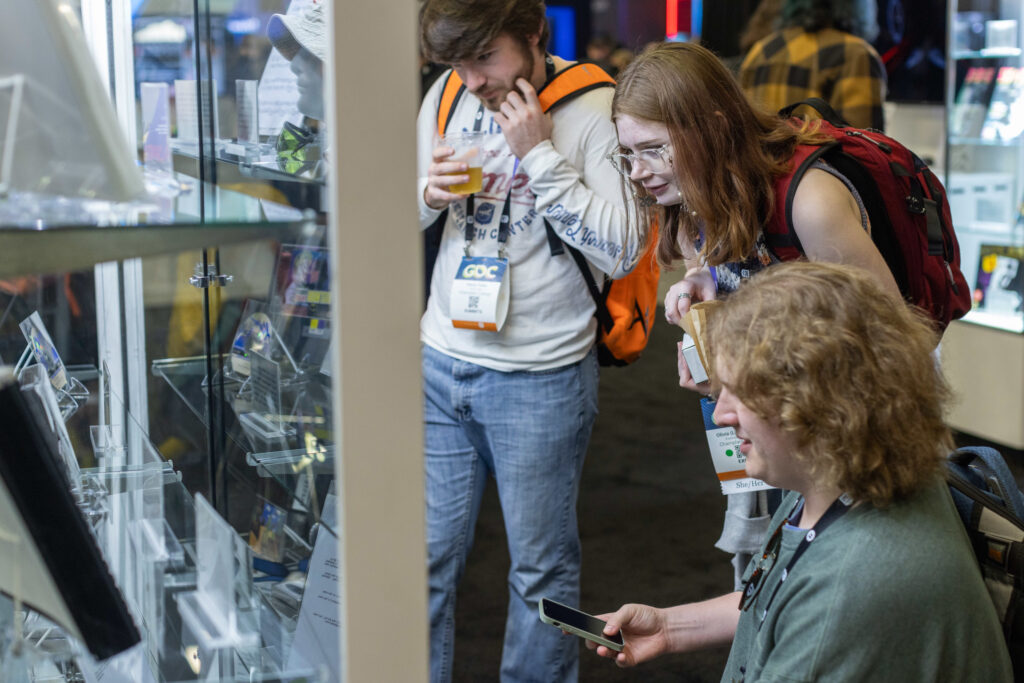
725, 454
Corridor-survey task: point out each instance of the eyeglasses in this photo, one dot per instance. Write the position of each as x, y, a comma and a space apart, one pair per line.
655, 160
296, 149
753, 585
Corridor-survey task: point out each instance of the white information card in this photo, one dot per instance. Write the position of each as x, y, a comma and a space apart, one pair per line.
316, 634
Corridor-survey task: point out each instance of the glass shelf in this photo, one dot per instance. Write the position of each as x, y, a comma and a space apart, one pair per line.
67, 249
253, 161
286, 463
999, 321
988, 53
187, 378
172, 199
983, 142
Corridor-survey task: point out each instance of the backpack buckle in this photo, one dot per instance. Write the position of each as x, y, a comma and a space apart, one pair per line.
915, 204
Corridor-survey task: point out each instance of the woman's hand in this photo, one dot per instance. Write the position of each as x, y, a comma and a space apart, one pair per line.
698, 284
643, 630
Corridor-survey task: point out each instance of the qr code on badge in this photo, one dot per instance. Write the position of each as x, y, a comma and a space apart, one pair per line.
474, 303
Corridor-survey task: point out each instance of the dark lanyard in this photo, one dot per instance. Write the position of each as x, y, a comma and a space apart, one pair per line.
834, 512
506, 210
503, 225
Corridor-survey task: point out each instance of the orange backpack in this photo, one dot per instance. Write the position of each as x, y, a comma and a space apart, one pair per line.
625, 307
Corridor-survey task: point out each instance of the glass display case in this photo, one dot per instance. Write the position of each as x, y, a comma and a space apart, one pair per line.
984, 353
191, 283
986, 152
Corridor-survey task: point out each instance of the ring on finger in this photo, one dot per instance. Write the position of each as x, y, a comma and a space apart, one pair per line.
684, 295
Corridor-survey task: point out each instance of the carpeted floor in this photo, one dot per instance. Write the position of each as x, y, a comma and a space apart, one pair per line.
650, 511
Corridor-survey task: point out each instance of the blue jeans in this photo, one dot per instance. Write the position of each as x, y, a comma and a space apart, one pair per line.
530, 431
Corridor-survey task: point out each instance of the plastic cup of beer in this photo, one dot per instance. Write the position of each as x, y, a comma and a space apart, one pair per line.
469, 147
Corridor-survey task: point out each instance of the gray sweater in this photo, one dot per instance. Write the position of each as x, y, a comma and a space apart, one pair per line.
889, 594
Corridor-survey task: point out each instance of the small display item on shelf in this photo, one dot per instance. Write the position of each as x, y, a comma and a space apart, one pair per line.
266, 536
1000, 34
301, 296
255, 333
969, 30
301, 282
43, 350
971, 104
61, 133
981, 198
1000, 281
186, 97
1005, 118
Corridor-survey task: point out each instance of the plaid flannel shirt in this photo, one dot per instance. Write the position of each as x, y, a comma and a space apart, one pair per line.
791, 65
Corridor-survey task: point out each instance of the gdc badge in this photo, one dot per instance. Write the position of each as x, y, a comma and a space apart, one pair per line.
479, 298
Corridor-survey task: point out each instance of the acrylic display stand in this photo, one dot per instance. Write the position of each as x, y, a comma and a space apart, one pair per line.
211, 615
69, 397
16, 85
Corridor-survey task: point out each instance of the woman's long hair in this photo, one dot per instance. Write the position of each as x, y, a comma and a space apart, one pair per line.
726, 153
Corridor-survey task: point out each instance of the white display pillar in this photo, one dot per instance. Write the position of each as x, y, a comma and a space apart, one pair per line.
376, 265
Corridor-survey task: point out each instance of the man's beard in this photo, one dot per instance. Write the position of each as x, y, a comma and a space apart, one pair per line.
529, 62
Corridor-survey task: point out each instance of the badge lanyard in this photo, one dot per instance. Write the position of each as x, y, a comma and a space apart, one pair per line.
834, 512
480, 292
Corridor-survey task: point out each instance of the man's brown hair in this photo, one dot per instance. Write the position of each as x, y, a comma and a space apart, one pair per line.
455, 30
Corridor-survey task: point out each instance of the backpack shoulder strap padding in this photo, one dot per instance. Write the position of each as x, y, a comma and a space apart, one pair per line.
992, 467
566, 85
794, 182
572, 82
450, 95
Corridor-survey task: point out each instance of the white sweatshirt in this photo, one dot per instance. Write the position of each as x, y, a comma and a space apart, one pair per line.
567, 180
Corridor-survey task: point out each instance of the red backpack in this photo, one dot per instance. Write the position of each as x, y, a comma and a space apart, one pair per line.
910, 220
626, 306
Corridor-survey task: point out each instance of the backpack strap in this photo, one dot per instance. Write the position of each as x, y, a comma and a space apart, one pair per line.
604, 317
567, 84
992, 468
450, 96
572, 82
779, 235
819, 105
794, 182
451, 93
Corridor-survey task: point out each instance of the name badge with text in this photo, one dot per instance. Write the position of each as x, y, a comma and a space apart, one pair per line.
730, 463
479, 299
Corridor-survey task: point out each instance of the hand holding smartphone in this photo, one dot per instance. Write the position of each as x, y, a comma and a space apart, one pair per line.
578, 623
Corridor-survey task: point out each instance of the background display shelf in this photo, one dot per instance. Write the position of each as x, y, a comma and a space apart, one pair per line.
148, 290
982, 353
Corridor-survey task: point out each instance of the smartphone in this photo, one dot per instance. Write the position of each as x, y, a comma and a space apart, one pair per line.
578, 623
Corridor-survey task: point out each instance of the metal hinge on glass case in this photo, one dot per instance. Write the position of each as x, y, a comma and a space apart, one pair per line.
210, 279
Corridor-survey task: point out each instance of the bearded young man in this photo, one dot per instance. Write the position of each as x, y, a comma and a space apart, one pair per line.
516, 402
